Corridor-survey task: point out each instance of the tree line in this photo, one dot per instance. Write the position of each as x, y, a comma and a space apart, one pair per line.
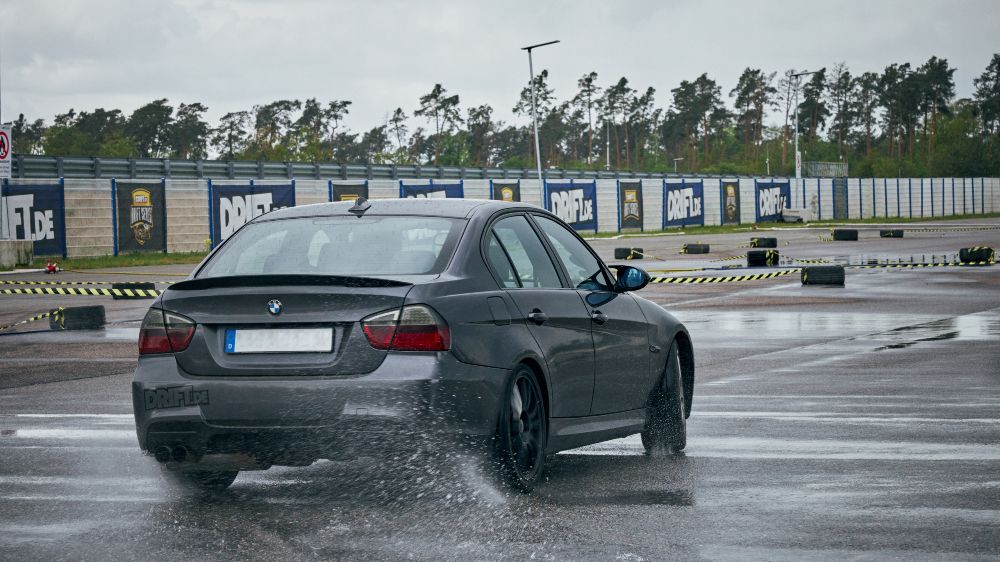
903, 121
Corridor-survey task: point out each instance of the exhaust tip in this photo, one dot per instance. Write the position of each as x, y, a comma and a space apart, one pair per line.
162, 454
179, 453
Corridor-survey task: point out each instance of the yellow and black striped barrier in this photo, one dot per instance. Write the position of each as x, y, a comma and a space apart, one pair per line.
819, 260
2, 282
911, 265
84, 291
55, 313
731, 258
724, 279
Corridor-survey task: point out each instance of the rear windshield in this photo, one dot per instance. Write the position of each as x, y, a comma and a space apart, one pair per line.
348, 246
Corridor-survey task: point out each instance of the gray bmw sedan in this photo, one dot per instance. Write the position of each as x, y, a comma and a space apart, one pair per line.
315, 329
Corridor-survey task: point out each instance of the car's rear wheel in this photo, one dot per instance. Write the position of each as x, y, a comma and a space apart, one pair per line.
519, 447
202, 480
666, 427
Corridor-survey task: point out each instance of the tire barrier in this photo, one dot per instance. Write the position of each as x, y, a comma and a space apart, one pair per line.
845, 234
976, 254
892, 233
78, 318
133, 291
695, 249
823, 275
762, 258
83, 291
763, 242
35, 318
628, 253
726, 279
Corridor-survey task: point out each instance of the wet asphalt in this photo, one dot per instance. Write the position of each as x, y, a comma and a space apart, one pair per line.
858, 423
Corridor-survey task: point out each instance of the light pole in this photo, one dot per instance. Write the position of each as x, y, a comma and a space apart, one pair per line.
534, 112
798, 157
675, 163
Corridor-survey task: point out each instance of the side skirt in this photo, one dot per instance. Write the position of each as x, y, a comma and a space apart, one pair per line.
569, 433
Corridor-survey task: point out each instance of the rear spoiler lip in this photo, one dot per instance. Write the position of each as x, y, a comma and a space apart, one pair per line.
233, 281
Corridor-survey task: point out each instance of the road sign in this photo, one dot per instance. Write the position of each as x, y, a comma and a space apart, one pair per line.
6, 147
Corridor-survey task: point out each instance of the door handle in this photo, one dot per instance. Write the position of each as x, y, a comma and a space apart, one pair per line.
537, 316
598, 317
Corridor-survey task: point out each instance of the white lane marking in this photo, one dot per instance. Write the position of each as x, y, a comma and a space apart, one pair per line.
819, 449
86, 434
840, 416
101, 416
75, 480
86, 498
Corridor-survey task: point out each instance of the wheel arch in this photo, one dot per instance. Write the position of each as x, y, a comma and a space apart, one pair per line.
686, 352
536, 367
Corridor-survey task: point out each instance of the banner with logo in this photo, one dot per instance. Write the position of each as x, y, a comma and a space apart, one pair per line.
730, 202
34, 212
683, 203
629, 205
347, 191
772, 198
505, 190
574, 203
232, 206
140, 215
432, 190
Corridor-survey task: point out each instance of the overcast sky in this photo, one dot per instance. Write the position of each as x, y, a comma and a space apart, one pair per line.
232, 54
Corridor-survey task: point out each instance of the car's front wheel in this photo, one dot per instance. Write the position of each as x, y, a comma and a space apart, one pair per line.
201, 480
519, 446
666, 428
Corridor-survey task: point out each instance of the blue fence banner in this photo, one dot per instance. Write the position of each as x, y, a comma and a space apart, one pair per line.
34, 212
232, 206
683, 203
574, 202
140, 215
432, 190
772, 198
346, 191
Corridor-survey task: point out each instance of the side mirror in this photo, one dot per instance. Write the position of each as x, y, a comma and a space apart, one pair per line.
630, 278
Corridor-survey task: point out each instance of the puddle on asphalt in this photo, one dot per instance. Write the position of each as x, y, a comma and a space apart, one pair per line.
681, 498
971, 327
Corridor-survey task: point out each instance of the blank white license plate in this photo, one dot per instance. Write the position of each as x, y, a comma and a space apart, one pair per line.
280, 340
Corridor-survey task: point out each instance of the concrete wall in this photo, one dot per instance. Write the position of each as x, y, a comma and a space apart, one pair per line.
89, 225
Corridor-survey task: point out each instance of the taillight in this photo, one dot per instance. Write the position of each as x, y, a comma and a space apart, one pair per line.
415, 327
164, 332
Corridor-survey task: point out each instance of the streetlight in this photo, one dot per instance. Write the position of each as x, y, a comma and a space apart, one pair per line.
675, 164
798, 157
534, 114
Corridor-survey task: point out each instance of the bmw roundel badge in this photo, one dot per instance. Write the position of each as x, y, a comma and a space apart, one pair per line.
274, 307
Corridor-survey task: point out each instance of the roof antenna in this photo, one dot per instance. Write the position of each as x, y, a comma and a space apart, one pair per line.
360, 206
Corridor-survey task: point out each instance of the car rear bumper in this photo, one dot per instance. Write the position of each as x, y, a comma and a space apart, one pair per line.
409, 398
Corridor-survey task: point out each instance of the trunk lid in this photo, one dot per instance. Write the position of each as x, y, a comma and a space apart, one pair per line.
218, 304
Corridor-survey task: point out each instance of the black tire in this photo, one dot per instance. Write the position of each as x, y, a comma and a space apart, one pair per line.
823, 275
762, 258
522, 432
78, 318
763, 242
891, 233
201, 480
695, 249
666, 425
976, 254
845, 234
628, 253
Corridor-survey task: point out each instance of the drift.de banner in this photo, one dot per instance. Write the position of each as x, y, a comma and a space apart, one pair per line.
34, 212
683, 203
574, 203
432, 190
772, 198
630, 205
235, 205
141, 214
